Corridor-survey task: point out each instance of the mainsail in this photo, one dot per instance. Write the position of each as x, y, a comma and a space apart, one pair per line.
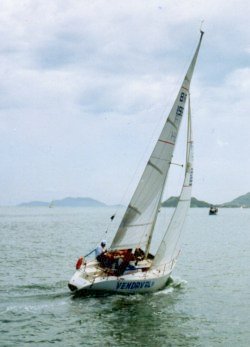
138, 223
170, 245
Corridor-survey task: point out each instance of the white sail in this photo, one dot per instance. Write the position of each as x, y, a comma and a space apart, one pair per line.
137, 225
170, 245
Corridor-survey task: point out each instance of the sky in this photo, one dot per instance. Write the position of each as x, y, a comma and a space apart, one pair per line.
86, 86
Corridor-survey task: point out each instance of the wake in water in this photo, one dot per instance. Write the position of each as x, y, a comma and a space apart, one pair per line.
176, 282
21, 298
171, 285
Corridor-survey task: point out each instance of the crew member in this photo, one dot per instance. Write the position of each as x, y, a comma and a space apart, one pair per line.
100, 251
139, 254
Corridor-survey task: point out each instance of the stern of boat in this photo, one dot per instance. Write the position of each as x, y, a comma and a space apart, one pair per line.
78, 282
84, 276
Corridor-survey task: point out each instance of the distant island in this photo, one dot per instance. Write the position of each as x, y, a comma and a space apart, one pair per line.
66, 202
173, 200
241, 201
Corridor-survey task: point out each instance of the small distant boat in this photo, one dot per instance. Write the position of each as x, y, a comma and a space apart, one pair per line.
139, 271
52, 204
213, 210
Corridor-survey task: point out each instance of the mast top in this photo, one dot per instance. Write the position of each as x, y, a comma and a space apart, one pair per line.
201, 31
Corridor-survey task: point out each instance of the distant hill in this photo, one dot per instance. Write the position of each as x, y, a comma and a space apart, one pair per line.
241, 201
172, 202
67, 202
199, 203
34, 204
78, 202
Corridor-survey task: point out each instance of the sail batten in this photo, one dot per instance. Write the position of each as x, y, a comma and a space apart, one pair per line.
172, 123
155, 167
145, 202
134, 209
166, 142
161, 159
138, 225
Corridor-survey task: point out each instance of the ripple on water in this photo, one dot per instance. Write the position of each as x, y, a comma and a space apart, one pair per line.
206, 306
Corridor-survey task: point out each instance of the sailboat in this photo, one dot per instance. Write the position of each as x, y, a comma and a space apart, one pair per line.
51, 204
133, 268
213, 210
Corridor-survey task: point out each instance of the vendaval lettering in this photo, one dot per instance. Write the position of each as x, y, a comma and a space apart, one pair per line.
134, 285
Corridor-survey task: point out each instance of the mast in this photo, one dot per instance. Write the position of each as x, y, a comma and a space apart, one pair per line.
139, 220
185, 90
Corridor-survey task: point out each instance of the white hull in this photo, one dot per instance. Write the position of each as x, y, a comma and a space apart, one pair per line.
91, 279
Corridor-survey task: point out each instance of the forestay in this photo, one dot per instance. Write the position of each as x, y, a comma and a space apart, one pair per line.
137, 225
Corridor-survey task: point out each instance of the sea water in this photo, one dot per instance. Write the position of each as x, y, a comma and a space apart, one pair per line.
206, 304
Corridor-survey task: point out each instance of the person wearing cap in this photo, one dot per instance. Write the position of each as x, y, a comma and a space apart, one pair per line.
100, 251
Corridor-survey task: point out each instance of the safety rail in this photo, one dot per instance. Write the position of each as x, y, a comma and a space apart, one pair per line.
159, 271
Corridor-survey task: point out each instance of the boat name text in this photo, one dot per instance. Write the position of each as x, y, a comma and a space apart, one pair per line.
134, 285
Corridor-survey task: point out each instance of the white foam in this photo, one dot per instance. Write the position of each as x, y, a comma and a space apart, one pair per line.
165, 291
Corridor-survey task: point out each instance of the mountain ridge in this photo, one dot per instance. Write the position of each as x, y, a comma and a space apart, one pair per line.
241, 201
66, 202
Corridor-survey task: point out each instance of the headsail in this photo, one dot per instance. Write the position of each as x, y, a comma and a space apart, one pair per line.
137, 225
170, 245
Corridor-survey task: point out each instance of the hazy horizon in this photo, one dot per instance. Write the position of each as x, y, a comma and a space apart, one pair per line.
100, 201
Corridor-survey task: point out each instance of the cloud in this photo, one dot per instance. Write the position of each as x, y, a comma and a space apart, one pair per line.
84, 84
222, 143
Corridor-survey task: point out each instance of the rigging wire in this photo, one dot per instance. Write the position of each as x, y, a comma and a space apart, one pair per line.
158, 126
